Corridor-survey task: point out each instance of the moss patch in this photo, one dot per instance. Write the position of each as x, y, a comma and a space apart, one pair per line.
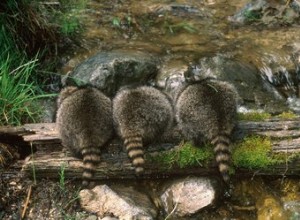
256, 153
253, 153
185, 155
254, 116
287, 115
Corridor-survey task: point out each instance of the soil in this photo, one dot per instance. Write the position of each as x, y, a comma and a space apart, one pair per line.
21, 198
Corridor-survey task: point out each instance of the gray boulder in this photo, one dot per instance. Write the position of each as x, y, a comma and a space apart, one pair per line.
108, 71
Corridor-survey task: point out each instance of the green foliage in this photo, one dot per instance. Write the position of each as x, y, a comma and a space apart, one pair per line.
287, 115
67, 17
254, 116
18, 93
256, 153
253, 153
185, 156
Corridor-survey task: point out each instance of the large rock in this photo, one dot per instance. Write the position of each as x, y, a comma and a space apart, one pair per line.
254, 91
268, 12
188, 196
122, 202
108, 71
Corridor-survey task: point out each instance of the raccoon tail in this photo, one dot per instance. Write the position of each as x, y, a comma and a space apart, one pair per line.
134, 147
91, 158
222, 155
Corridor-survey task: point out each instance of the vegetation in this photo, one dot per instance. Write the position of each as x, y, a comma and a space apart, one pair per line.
287, 115
254, 116
253, 153
256, 153
184, 156
30, 31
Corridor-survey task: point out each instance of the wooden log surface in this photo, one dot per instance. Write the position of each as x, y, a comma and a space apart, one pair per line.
47, 161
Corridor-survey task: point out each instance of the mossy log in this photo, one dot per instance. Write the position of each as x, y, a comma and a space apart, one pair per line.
50, 158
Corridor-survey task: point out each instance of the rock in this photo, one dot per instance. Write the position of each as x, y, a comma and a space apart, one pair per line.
253, 90
122, 202
171, 75
270, 208
108, 71
268, 13
188, 196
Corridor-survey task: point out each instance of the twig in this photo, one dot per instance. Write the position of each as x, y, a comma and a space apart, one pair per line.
173, 210
26, 202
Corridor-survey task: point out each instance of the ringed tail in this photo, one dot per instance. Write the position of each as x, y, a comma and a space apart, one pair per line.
91, 158
222, 155
134, 148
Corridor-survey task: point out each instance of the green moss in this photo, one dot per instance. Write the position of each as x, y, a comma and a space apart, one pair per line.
254, 116
287, 115
185, 156
253, 153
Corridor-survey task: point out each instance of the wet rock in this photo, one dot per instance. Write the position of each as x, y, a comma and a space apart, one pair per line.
188, 196
270, 208
122, 202
171, 75
268, 12
108, 71
253, 90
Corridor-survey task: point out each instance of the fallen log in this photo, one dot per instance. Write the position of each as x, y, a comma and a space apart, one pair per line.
48, 161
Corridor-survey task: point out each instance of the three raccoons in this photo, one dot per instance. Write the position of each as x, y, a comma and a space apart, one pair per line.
141, 114
84, 122
206, 110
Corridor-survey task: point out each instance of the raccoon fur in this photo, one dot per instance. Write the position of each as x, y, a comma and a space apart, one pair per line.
206, 110
141, 114
84, 122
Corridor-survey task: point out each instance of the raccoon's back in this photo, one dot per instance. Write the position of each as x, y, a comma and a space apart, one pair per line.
206, 109
145, 110
85, 119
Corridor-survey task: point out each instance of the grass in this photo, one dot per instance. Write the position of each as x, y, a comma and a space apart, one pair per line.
62, 176
18, 93
19, 90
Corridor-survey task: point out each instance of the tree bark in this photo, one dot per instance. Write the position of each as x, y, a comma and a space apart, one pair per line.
48, 160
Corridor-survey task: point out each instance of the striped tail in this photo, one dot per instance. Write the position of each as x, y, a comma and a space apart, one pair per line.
134, 147
91, 158
222, 155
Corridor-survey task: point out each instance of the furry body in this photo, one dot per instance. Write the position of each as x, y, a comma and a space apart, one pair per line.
206, 110
84, 122
141, 114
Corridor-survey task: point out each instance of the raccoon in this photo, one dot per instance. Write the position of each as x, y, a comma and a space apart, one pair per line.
207, 110
141, 114
84, 122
